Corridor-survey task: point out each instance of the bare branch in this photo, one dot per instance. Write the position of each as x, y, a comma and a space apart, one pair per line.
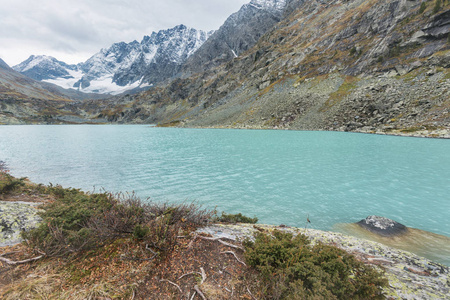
190, 273
222, 242
173, 283
203, 275
197, 289
192, 242
253, 297
231, 252
153, 252
193, 295
12, 262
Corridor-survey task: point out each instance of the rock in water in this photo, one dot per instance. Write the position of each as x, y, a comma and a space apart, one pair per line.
383, 226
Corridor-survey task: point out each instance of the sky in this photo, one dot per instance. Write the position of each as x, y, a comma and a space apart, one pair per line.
74, 30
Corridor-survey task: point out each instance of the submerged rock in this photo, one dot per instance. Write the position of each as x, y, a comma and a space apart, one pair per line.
383, 226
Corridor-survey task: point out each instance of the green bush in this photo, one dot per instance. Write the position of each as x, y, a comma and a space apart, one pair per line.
235, 218
422, 8
437, 6
9, 183
140, 232
291, 268
77, 221
64, 229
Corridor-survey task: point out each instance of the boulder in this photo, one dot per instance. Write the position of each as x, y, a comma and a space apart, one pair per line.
383, 226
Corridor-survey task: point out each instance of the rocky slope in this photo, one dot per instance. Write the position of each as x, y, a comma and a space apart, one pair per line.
123, 66
370, 66
240, 32
379, 66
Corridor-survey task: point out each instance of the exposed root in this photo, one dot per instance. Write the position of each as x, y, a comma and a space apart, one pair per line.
190, 273
203, 275
253, 297
12, 262
222, 242
197, 289
172, 283
234, 254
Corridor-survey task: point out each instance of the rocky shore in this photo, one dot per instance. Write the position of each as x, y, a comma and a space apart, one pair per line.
410, 276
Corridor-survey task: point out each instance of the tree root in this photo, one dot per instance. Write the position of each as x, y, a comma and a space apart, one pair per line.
12, 262
231, 252
220, 241
172, 283
197, 289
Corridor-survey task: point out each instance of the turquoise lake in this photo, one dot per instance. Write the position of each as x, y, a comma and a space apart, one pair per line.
279, 176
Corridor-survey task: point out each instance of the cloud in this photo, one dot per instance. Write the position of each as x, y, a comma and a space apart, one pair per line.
73, 31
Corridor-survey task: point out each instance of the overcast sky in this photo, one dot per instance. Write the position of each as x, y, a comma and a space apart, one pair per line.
74, 30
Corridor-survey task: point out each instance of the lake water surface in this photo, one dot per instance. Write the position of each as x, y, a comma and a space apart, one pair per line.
278, 176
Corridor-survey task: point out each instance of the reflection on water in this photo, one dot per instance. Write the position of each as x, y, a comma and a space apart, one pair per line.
423, 243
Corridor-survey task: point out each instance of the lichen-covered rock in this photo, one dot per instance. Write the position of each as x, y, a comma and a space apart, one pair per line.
14, 218
382, 226
410, 276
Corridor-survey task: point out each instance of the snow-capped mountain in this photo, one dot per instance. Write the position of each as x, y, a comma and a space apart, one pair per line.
123, 66
42, 67
239, 33
276, 5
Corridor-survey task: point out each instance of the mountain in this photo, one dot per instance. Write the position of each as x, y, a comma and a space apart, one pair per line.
123, 66
379, 66
4, 65
239, 33
24, 100
42, 67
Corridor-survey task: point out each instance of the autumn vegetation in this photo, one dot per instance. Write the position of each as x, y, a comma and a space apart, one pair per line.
115, 246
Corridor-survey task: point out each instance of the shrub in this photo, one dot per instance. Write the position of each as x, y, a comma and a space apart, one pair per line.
437, 6
78, 221
9, 183
422, 8
291, 268
64, 229
235, 218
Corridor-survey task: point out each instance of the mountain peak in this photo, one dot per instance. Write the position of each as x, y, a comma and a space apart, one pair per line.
4, 65
123, 65
278, 5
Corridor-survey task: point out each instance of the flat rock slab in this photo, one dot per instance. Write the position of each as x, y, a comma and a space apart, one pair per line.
14, 218
410, 276
382, 226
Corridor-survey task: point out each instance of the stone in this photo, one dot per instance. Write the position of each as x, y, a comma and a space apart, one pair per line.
382, 226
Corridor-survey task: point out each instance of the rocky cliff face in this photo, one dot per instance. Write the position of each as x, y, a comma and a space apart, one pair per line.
380, 66
123, 66
239, 33
371, 66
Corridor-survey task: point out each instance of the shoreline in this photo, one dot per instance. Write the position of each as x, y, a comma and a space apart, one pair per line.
439, 134
410, 276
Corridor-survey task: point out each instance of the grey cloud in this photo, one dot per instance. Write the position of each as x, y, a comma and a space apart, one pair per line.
66, 27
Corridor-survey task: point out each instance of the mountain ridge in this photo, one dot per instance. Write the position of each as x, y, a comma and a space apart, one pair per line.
122, 66
377, 66
382, 66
